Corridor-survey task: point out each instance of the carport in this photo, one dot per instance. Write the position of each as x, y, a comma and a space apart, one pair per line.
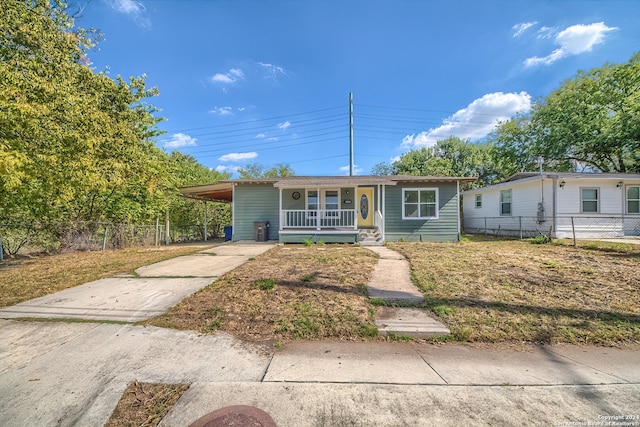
220, 192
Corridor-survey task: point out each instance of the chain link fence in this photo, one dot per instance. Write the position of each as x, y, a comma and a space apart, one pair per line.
560, 227
90, 236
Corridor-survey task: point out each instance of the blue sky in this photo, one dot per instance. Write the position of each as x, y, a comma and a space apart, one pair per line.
268, 81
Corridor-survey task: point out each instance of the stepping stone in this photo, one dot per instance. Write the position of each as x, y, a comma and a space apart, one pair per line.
412, 322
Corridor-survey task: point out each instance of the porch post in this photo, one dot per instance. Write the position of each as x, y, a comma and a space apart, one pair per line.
280, 213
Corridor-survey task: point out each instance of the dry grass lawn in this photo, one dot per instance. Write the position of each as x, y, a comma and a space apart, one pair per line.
490, 290
24, 278
145, 405
291, 292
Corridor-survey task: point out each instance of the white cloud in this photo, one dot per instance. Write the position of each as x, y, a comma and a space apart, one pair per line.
222, 111
231, 76
573, 40
284, 125
521, 28
395, 159
273, 138
235, 157
180, 140
356, 170
272, 70
133, 8
223, 168
261, 135
128, 6
546, 32
475, 121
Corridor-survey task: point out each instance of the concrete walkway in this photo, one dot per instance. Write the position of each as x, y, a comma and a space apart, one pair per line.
391, 282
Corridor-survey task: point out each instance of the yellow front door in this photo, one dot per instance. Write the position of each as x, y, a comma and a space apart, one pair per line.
364, 205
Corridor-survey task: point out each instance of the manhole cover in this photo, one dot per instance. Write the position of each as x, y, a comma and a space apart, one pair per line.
235, 416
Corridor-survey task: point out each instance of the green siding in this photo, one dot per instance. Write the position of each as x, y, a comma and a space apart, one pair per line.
255, 202
289, 203
326, 238
445, 228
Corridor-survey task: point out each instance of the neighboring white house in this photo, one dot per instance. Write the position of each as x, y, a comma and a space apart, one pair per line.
591, 205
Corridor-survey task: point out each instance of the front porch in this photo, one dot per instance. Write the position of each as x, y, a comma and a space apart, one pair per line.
329, 212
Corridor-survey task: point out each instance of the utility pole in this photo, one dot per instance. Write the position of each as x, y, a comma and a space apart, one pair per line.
350, 134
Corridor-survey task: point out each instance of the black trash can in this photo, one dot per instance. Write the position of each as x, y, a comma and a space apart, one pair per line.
261, 231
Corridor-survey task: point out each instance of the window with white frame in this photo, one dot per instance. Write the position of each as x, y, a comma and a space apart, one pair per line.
633, 199
478, 201
420, 203
590, 200
312, 202
505, 202
331, 202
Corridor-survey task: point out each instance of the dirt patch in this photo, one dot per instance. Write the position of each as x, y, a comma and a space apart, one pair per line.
145, 405
290, 292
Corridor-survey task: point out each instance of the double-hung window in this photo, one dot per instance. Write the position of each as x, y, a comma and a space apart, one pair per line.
312, 202
331, 202
478, 201
589, 199
420, 203
633, 200
505, 202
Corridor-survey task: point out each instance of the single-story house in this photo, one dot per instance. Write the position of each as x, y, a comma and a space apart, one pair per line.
364, 209
560, 205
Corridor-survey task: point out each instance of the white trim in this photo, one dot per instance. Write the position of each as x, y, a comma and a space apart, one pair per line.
421, 218
510, 203
475, 200
626, 199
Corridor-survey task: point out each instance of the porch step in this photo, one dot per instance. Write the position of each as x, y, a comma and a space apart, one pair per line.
370, 237
410, 322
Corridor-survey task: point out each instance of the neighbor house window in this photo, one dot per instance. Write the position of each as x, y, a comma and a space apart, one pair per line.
420, 203
589, 198
633, 200
505, 202
478, 200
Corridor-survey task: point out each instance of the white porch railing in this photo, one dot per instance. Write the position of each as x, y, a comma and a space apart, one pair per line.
378, 222
318, 219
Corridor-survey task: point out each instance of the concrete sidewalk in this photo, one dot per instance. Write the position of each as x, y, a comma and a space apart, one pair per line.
307, 383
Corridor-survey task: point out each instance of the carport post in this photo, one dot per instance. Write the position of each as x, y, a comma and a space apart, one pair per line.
104, 238
166, 228
205, 220
1, 250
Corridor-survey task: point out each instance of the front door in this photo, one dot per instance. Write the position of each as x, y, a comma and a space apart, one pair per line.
364, 205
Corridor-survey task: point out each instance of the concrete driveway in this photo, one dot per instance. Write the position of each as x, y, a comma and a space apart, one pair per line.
150, 293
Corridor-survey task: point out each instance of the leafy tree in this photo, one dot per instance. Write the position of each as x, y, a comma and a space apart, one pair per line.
256, 170
592, 121
449, 157
186, 171
74, 145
